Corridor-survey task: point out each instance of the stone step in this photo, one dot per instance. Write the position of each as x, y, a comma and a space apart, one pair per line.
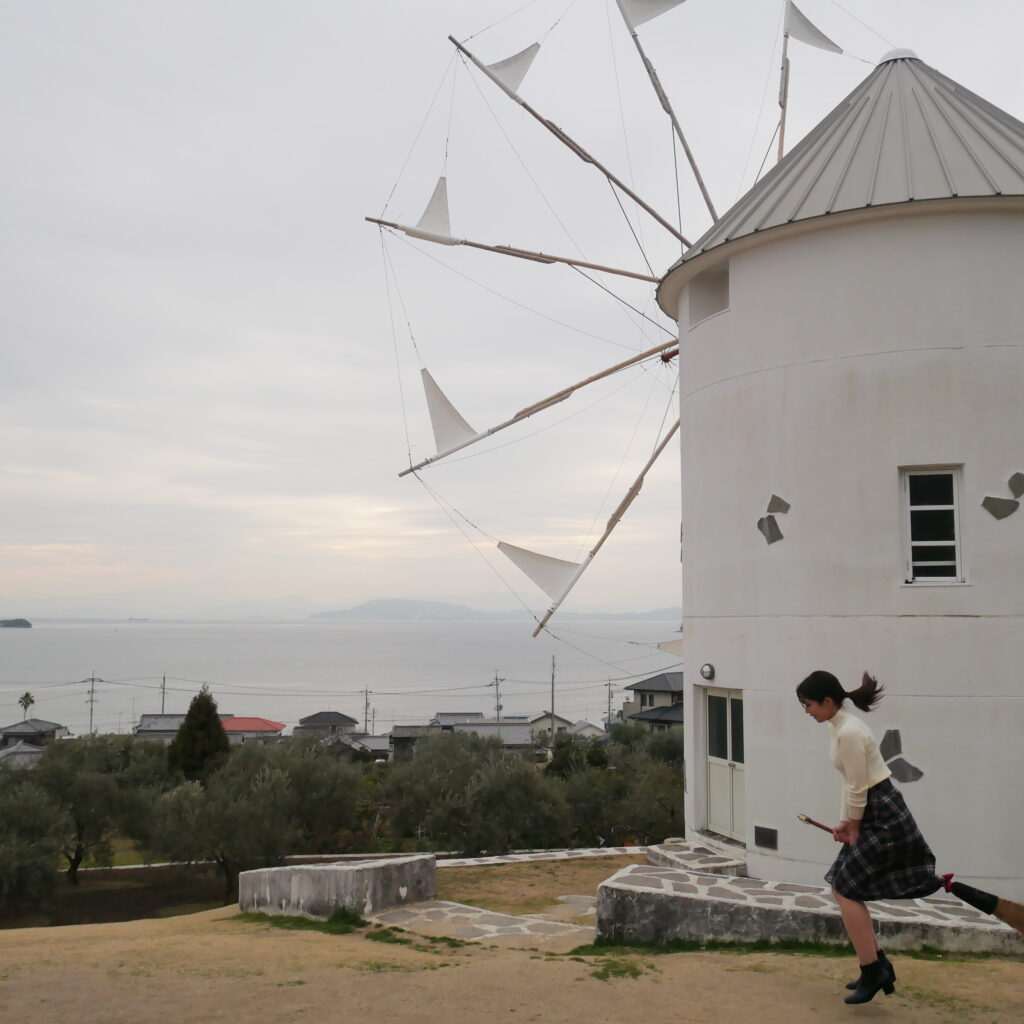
640, 904
678, 853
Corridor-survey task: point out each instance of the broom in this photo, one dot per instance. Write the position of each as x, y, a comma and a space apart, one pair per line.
1006, 910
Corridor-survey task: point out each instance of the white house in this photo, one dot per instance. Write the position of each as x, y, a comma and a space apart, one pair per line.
587, 730
852, 431
655, 703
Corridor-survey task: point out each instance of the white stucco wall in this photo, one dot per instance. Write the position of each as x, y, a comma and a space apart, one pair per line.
844, 355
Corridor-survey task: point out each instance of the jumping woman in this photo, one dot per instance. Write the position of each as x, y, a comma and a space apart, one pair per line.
884, 855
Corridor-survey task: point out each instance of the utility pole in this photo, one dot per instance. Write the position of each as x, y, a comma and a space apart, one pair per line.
366, 711
163, 692
497, 699
91, 699
608, 720
552, 702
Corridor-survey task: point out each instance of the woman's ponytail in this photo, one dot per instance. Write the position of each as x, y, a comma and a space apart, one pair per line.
868, 694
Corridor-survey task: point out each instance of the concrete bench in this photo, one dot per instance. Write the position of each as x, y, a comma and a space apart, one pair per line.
318, 890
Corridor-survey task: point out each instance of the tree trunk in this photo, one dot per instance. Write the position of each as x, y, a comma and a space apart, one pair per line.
230, 880
74, 859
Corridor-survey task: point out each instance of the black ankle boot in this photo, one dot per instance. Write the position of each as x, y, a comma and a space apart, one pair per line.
884, 961
873, 976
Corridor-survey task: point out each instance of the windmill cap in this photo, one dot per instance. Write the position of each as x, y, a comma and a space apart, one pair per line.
899, 55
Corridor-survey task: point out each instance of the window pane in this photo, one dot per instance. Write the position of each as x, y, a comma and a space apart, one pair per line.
934, 553
931, 489
718, 736
932, 525
924, 572
737, 730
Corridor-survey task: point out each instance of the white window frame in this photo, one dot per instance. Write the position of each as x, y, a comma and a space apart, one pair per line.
910, 578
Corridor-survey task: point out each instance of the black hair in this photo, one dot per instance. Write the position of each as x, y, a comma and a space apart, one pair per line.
819, 685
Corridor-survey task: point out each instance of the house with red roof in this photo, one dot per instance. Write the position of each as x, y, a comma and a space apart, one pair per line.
253, 730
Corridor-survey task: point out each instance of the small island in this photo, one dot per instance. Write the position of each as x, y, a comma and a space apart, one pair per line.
15, 624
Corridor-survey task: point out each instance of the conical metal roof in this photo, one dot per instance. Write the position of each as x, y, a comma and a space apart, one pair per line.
906, 133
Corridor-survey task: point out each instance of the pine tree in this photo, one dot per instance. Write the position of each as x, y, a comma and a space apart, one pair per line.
201, 739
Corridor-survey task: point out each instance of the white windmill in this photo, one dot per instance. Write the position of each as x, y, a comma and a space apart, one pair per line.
852, 459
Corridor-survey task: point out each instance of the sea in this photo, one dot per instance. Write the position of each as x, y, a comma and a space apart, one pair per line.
101, 676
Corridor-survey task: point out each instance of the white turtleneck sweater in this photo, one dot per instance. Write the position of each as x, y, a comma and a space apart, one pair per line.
855, 755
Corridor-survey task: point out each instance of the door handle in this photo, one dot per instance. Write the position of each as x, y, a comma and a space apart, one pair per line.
732, 764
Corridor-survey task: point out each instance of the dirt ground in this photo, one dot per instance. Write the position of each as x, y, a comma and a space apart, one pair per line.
212, 967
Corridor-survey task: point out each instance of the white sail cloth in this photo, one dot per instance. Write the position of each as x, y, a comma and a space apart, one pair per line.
434, 225
450, 429
552, 575
637, 12
799, 26
511, 71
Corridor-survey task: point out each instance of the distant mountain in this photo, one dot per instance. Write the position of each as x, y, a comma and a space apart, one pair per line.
404, 608
441, 611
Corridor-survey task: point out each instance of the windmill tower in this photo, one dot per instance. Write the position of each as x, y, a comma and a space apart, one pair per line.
852, 431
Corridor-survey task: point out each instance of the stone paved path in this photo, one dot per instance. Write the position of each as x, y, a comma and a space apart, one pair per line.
473, 924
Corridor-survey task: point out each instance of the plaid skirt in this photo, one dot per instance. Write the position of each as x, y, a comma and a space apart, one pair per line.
891, 860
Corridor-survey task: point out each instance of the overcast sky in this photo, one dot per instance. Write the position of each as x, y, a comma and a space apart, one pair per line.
203, 405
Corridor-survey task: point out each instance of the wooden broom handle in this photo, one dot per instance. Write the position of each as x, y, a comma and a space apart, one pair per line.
816, 824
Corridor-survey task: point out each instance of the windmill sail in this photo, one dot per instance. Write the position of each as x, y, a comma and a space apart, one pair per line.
637, 12
450, 429
799, 26
469, 438
511, 71
434, 225
552, 575
569, 142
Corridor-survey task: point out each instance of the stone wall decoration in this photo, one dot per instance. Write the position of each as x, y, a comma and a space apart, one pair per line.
769, 529
891, 749
1000, 508
767, 524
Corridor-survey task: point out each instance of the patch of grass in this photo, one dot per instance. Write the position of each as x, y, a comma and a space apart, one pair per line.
613, 968
288, 984
444, 940
388, 935
527, 887
382, 966
341, 922
962, 1009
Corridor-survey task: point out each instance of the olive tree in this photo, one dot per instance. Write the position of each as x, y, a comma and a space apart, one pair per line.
261, 805
32, 830
468, 794
103, 784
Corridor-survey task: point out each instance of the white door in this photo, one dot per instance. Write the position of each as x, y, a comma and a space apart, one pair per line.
724, 717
